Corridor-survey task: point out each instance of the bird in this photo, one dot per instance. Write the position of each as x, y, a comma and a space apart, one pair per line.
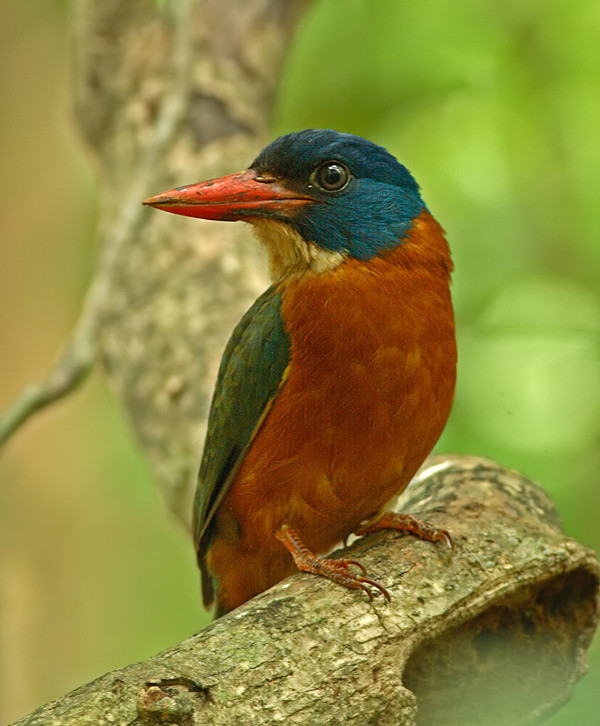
337, 383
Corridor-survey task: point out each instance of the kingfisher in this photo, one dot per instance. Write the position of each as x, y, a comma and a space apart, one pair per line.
338, 381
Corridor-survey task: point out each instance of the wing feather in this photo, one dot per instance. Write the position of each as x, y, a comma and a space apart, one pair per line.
252, 370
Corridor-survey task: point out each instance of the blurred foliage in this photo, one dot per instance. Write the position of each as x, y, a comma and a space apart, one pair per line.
495, 108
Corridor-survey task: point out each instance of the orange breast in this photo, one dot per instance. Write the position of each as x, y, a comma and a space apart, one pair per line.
369, 390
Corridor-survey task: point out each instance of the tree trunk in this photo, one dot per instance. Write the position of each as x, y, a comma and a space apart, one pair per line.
172, 93
496, 636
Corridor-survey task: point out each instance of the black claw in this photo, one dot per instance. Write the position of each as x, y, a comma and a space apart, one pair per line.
377, 586
358, 564
367, 590
446, 539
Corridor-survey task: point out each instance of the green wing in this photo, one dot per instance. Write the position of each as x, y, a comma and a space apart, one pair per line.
252, 369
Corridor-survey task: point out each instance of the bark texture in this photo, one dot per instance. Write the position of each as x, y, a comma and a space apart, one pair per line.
166, 94
495, 636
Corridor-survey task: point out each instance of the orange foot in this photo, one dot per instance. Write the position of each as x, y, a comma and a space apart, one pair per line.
406, 523
335, 570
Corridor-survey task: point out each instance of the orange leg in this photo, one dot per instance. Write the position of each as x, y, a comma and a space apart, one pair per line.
406, 523
335, 570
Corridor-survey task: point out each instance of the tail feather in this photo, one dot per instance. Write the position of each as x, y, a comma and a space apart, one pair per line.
208, 583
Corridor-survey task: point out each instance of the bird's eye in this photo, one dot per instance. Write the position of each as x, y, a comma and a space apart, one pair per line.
332, 176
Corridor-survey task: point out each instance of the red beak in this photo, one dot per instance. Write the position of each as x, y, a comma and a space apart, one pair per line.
230, 198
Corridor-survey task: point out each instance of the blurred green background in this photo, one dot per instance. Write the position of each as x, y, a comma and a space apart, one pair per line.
495, 107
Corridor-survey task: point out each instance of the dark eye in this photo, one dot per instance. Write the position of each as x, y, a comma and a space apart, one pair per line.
332, 176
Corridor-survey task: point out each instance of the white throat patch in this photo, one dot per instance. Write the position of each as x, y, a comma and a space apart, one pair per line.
290, 254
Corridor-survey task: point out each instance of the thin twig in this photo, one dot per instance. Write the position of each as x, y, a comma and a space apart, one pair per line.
71, 370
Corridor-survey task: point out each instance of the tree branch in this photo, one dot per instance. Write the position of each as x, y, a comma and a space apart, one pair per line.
495, 636
72, 369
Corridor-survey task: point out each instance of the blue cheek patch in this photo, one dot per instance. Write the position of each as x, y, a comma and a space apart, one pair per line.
370, 218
